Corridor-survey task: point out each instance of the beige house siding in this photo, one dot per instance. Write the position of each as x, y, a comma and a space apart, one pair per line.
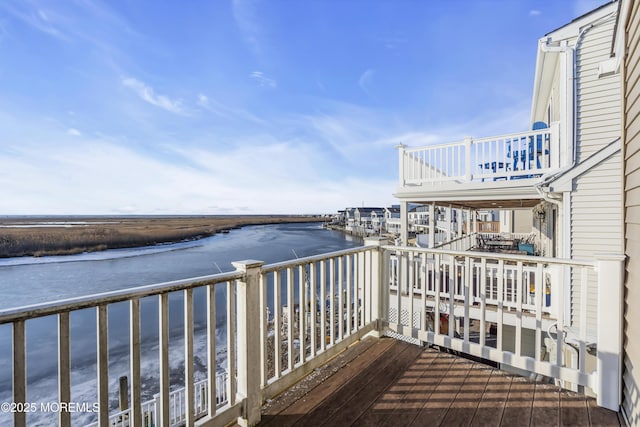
596, 199
631, 373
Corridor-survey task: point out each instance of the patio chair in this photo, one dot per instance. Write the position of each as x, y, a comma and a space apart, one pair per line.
522, 159
538, 144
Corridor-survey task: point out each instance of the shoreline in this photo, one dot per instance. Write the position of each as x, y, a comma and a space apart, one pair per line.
60, 235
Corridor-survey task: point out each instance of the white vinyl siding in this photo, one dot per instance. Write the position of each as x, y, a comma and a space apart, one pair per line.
598, 109
631, 372
596, 223
596, 199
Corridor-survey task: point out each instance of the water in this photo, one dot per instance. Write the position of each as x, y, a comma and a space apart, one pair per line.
26, 281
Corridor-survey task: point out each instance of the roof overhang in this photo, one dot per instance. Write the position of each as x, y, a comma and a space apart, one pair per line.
512, 194
547, 59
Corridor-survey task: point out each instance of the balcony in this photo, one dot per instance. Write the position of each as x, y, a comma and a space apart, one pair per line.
283, 321
502, 164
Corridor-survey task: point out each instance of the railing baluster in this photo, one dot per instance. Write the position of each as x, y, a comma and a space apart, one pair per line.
290, 319
356, 292
64, 368
583, 319
264, 332
348, 286
188, 357
103, 364
423, 299
436, 318
452, 271
366, 282
231, 342
341, 297
134, 349
411, 284
19, 371
468, 277
163, 334
277, 339
332, 301
313, 305
560, 289
302, 312
445, 168
483, 301
539, 292
500, 313
212, 368
362, 292
400, 275
323, 305
519, 295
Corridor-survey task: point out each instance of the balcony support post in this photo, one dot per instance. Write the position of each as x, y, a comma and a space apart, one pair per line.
469, 231
475, 221
404, 223
248, 333
610, 269
378, 286
448, 222
432, 224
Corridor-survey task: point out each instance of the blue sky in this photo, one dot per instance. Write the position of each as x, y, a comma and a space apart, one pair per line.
239, 106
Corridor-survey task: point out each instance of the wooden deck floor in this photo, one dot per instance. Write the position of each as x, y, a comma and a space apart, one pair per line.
387, 382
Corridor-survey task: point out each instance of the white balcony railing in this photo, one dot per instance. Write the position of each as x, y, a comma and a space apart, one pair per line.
283, 320
506, 157
177, 414
462, 243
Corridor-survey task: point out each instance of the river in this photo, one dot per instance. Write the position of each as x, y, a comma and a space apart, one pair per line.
26, 281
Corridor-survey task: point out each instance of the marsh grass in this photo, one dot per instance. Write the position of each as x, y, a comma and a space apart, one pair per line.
111, 233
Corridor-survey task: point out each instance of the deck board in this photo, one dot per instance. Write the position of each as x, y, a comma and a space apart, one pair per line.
546, 405
465, 404
517, 410
386, 382
428, 372
296, 405
494, 398
438, 403
328, 408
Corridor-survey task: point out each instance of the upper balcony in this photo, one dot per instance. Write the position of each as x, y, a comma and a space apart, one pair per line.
499, 166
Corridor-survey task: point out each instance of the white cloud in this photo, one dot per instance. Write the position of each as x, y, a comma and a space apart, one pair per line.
203, 100
262, 80
246, 17
535, 12
102, 177
148, 94
366, 80
74, 132
226, 111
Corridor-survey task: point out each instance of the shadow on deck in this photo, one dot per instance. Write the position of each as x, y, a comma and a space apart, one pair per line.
379, 382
